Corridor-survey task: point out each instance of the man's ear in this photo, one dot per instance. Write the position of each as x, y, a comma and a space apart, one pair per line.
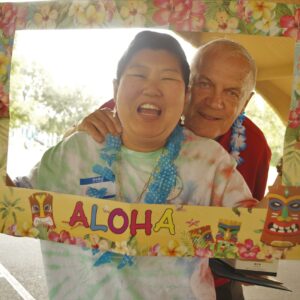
247, 100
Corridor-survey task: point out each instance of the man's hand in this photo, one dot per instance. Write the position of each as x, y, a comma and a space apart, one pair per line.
99, 123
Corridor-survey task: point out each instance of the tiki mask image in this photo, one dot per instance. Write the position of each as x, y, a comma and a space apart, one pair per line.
41, 209
282, 225
228, 231
201, 237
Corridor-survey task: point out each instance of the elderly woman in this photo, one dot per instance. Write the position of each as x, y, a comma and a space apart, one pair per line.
155, 161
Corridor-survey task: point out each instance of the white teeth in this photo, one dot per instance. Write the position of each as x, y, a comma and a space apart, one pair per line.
149, 106
280, 229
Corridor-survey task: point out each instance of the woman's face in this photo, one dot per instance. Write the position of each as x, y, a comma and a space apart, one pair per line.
150, 98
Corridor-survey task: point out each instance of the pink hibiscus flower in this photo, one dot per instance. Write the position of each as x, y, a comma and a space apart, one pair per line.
21, 17
3, 103
242, 13
8, 13
65, 238
291, 25
154, 250
294, 117
183, 14
248, 250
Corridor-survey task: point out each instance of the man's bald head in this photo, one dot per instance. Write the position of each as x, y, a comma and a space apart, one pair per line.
222, 81
228, 48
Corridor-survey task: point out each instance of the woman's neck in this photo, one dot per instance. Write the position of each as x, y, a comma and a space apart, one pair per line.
143, 144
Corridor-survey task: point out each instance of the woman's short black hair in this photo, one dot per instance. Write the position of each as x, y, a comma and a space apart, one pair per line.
157, 41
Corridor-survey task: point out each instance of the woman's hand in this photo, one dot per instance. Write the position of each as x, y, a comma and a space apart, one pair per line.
98, 124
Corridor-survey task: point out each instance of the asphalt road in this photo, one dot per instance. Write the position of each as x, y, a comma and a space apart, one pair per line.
22, 274
21, 269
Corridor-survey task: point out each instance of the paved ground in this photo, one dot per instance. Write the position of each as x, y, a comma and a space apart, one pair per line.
22, 274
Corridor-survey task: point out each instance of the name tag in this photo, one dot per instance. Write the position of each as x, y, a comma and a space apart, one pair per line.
91, 186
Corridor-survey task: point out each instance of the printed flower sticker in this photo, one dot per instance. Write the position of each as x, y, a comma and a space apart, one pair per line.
123, 248
12, 230
261, 9
294, 116
98, 243
268, 25
92, 14
154, 250
46, 17
134, 12
21, 17
28, 230
174, 249
223, 23
240, 9
3, 102
65, 238
248, 250
291, 25
182, 14
8, 13
270, 253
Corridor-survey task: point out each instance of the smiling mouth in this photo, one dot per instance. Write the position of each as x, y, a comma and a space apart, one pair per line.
148, 109
207, 117
283, 229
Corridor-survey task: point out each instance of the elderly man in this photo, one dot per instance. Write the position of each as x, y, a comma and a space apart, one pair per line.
222, 81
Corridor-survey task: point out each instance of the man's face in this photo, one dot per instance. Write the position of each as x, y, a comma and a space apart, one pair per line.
219, 93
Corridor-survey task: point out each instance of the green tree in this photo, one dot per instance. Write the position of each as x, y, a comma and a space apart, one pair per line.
36, 100
261, 113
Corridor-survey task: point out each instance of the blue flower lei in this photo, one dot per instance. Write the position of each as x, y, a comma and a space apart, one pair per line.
163, 178
238, 138
162, 183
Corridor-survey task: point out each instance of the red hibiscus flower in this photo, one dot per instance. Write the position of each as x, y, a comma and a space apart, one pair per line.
291, 25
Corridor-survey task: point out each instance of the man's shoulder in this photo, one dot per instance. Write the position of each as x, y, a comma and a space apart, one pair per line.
254, 135
252, 128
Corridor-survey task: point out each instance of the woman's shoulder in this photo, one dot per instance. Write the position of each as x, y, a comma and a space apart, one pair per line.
77, 145
80, 141
195, 140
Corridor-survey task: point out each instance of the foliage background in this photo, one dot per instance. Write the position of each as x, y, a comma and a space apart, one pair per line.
53, 109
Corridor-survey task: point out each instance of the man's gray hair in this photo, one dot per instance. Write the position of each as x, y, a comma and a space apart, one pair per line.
234, 48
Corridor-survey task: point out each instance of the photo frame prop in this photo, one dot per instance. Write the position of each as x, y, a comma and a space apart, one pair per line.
237, 17
150, 229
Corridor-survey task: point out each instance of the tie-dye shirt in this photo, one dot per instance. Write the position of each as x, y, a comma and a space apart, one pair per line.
206, 176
